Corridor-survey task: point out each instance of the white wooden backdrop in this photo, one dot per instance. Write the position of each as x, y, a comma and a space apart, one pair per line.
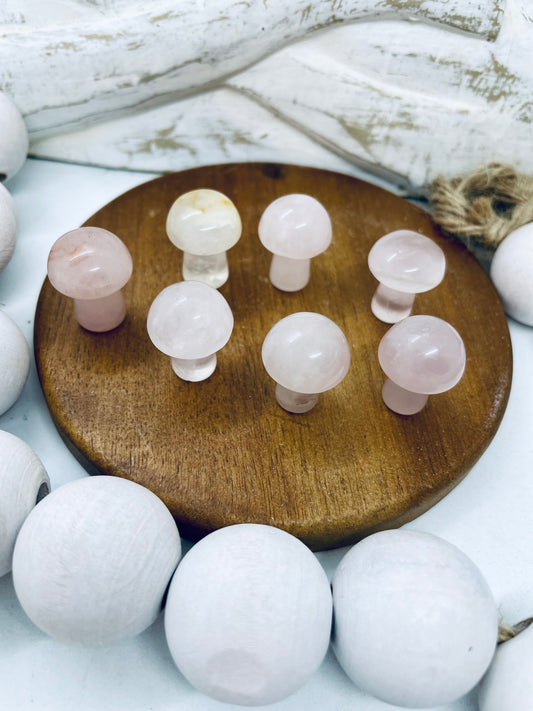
410, 89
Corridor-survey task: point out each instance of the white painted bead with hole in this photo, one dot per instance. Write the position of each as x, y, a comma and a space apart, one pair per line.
248, 615
92, 562
415, 622
508, 684
14, 141
14, 362
8, 227
511, 271
23, 483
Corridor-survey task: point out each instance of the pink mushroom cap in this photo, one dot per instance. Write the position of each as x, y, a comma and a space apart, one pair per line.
89, 263
407, 261
189, 320
423, 354
296, 226
306, 352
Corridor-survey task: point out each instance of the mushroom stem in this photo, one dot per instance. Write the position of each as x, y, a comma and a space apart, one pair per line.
294, 402
391, 305
289, 274
212, 269
194, 369
102, 314
402, 401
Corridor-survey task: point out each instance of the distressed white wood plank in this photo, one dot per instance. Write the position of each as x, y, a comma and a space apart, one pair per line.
121, 59
219, 126
421, 102
406, 101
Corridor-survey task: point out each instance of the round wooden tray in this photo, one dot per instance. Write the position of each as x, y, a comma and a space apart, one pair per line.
222, 451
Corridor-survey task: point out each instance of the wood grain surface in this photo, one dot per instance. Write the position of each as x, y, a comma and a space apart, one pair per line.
222, 451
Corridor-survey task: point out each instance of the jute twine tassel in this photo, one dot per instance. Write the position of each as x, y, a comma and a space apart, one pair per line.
482, 208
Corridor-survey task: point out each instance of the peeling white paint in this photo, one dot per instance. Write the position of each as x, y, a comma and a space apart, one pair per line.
184, 83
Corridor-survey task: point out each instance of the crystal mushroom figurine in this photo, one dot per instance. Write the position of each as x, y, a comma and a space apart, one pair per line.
421, 356
91, 265
204, 224
306, 354
190, 321
294, 228
405, 263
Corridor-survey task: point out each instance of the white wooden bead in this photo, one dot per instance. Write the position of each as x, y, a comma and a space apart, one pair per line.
13, 139
508, 685
93, 560
23, 483
14, 362
511, 272
8, 227
415, 621
248, 614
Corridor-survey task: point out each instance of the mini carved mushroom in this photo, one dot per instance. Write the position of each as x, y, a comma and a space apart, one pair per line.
421, 355
204, 224
91, 265
405, 263
14, 144
306, 354
190, 321
294, 228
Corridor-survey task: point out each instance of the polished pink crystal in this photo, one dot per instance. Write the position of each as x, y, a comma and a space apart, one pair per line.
305, 353
91, 265
294, 228
190, 321
421, 355
405, 263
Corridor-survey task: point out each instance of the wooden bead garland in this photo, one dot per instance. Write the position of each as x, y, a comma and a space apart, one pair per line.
23, 483
93, 561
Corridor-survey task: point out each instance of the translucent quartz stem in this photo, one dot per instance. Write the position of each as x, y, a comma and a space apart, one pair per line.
194, 369
289, 274
212, 269
293, 401
100, 315
401, 401
390, 305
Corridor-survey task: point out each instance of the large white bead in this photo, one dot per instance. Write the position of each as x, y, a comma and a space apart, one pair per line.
14, 362
508, 685
415, 621
8, 227
248, 614
23, 483
511, 271
93, 560
13, 138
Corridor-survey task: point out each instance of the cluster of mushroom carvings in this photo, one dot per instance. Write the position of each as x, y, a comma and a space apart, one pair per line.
305, 353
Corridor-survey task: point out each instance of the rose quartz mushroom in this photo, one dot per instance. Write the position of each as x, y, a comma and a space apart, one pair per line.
91, 265
294, 228
190, 321
421, 355
405, 263
204, 224
306, 354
